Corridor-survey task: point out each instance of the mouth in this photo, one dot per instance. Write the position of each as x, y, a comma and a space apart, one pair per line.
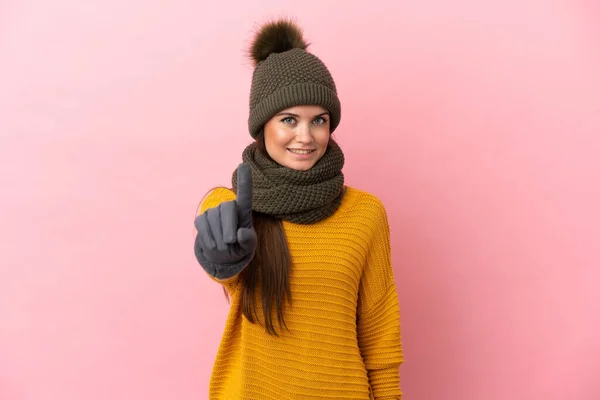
301, 151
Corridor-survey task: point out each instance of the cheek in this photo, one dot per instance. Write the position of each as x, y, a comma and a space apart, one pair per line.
323, 139
276, 139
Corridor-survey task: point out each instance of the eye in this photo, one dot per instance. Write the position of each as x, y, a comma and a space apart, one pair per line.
319, 121
288, 120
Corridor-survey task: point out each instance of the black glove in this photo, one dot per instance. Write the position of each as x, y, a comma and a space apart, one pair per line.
226, 239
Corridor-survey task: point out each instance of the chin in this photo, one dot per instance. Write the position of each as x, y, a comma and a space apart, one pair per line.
300, 166
295, 164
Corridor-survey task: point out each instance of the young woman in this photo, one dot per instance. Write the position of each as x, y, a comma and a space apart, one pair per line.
304, 259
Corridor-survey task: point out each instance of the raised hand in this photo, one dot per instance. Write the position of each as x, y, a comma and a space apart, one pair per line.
226, 239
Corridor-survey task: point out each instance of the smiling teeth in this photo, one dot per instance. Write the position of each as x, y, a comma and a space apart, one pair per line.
300, 151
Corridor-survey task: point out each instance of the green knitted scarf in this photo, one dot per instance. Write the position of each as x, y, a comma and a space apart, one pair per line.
302, 197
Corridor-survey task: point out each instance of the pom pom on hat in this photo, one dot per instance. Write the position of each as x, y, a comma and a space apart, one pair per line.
276, 37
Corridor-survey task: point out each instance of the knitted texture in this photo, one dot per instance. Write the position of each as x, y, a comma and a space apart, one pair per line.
291, 78
303, 197
343, 339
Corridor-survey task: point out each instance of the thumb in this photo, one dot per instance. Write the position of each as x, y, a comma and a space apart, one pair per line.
247, 239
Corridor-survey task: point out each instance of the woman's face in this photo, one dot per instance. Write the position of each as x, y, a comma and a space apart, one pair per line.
297, 137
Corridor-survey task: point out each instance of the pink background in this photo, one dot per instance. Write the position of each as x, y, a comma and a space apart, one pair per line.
476, 122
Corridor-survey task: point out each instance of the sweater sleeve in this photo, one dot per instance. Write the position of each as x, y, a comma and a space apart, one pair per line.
379, 314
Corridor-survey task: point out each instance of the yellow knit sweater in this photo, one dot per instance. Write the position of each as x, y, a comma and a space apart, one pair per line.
343, 340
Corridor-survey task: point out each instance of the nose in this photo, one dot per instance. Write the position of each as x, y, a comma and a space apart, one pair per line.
304, 133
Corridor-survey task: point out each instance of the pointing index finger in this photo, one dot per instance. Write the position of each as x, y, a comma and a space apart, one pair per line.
244, 195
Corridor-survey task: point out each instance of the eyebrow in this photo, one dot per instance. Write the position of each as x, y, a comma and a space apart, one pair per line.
297, 116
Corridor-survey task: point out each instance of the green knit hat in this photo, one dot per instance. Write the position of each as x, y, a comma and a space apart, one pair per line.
286, 75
